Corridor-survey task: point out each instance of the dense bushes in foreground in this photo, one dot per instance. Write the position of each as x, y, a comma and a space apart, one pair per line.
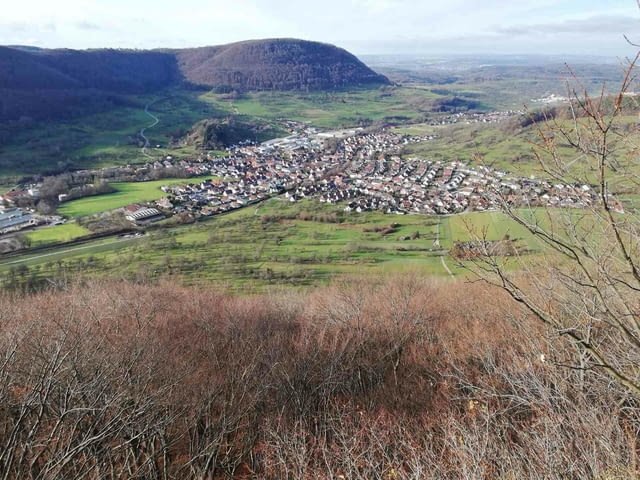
402, 378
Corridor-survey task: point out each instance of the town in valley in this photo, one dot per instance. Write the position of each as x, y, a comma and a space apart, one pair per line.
362, 170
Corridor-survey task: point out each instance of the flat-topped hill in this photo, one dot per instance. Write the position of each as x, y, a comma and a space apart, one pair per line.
275, 64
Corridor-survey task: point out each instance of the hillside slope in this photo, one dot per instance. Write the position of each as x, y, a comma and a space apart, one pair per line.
47, 84
276, 64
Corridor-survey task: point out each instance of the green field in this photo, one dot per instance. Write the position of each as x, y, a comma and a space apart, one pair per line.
57, 234
276, 243
331, 109
493, 225
496, 146
126, 194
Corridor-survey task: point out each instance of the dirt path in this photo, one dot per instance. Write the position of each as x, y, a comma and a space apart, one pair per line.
444, 264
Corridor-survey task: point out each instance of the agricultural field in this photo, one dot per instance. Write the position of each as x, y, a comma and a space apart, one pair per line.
331, 109
490, 225
127, 193
276, 243
57, 234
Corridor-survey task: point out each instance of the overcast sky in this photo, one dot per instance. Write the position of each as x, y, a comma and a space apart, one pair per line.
593, 27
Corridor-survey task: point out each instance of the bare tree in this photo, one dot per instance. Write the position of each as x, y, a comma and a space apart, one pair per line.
583, 283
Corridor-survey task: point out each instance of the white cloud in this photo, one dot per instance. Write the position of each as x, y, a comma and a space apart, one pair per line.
367, 26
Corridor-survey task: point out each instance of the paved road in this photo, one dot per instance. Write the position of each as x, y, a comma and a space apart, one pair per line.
62, 252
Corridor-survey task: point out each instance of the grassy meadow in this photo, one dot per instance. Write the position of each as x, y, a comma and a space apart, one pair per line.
479, 143
278, 243
498, 147
127, 193
57, 234
330, 109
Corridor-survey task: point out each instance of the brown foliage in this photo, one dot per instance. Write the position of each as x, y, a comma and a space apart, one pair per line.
393, 379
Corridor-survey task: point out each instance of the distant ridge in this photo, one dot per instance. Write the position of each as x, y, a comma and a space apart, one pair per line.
42, 83
26, 48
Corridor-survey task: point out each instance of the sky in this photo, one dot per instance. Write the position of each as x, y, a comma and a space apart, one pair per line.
550, 27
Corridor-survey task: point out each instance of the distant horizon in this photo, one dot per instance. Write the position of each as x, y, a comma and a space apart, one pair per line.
398, 54
363, 27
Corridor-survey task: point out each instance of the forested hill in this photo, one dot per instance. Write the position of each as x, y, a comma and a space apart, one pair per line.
41, 83
277, 64
122, 71
49, 84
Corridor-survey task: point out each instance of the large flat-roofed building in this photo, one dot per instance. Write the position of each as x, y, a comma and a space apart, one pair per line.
14, 220
144, 215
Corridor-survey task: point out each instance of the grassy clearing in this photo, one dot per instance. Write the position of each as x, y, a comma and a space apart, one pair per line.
330, 109
492, 225
478, 142
126, 194
416, 129
58, 234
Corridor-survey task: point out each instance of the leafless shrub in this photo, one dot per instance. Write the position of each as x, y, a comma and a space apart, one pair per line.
400, 378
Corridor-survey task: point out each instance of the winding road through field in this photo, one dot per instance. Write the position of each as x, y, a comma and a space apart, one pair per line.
28, 258
156, 121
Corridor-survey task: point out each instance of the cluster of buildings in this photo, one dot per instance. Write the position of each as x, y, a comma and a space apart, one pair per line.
360, 170
15, 219
141, 215
247, 176
438, 188
15, 216
551, 98
469, 118
364, 171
